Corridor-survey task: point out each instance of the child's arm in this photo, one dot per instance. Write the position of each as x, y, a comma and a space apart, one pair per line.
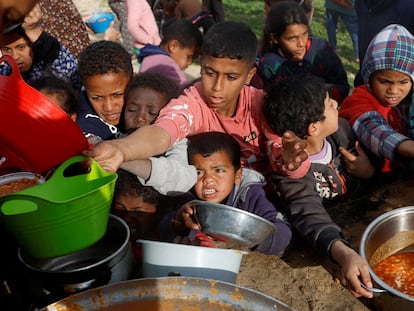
163, 172
143, 143
31, 24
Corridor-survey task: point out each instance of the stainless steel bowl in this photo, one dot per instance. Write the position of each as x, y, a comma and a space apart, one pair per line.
388, 234
170, 293
231, 225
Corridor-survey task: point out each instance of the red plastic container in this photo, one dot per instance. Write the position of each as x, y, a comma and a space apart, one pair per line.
36, 134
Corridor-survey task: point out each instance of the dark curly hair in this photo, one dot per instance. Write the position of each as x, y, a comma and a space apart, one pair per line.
294, 103
103, 57
154, 81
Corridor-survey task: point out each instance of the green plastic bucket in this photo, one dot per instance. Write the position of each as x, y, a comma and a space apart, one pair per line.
65, 214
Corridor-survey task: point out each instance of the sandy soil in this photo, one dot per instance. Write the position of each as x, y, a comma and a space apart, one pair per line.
302, 278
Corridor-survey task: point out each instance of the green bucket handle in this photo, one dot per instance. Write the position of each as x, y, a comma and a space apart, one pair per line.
16, 204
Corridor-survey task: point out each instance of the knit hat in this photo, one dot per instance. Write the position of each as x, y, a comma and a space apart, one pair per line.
392, 48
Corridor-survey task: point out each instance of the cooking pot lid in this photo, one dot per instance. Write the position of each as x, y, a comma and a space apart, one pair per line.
36, 134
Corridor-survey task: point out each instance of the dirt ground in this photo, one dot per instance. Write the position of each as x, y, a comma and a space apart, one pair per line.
303, 279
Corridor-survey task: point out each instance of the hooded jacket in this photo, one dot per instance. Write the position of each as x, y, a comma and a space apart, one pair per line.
155, 59
381, 129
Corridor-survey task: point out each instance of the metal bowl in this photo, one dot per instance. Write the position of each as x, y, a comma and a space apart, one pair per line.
388, 234
169, 294
231, 225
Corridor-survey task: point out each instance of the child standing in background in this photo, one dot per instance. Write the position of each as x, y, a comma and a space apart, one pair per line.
302, 104
180, 44
289, 50
104, 69
221, 179
141, 24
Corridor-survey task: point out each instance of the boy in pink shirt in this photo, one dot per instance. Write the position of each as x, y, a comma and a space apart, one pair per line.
222, 101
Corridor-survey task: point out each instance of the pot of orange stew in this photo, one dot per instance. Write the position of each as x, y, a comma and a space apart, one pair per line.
388, 246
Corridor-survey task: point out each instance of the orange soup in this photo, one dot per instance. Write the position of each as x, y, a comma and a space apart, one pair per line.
398, 272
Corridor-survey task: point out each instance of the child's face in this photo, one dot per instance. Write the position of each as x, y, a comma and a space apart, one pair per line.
142, 107
390, 87
293, 41
133, 203
183, 56
21, 52
222, 80
216, 176
106, 94
329, 125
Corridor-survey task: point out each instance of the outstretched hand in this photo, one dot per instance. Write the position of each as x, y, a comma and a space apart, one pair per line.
357, 164
293, 154
107, 154
354, 269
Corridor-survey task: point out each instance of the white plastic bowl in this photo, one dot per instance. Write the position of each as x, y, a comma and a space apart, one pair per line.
161, 259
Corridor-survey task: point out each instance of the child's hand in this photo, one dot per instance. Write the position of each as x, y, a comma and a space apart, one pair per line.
107, 154
111, 34
293, 153
354, 269
357, 164
184, 219
32, 20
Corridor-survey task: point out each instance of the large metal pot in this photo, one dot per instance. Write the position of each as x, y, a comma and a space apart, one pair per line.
168, 294
388, 234
110, 260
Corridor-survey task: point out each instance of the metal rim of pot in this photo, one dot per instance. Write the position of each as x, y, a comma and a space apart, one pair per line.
34, 264
365, 237
183, 289
70, 274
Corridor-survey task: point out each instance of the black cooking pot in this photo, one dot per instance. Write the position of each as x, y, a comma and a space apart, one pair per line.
110, 260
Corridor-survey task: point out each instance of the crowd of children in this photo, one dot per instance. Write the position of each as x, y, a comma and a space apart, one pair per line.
271, 130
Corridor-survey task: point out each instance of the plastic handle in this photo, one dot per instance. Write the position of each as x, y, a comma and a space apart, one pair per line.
15, 72
18, 206
58, 174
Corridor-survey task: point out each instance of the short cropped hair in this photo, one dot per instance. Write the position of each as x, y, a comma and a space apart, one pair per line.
294, 103
128, 184
103, 57
234, 40
210, 142
184, 32
154, 81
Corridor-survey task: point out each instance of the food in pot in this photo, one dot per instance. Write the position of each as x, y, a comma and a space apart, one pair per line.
17, 185
398, 271
171, 304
